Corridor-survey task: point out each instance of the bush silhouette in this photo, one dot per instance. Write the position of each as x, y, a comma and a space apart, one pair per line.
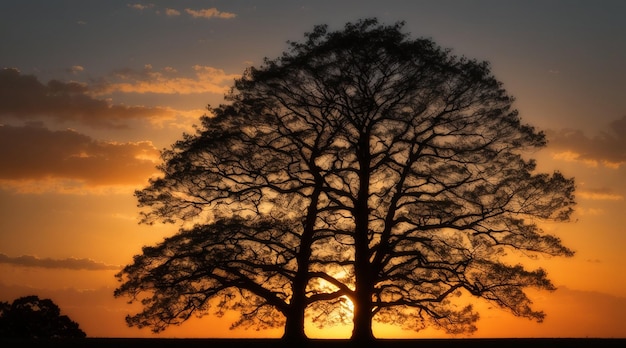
31, 317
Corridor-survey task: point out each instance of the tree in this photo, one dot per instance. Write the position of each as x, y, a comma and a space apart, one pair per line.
401, 168
434, 177
31, 317
256, 194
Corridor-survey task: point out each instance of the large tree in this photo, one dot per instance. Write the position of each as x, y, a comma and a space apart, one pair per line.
403, 167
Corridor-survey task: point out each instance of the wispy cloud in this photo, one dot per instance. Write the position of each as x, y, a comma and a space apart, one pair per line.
36, 153
171, 12
603, 194
210, 13
582, 211
75, 69
25, 97
69, 263
140, 7
206, 13
606, 149
167, 81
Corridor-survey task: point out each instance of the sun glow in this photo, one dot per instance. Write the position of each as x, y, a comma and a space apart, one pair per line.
347, 304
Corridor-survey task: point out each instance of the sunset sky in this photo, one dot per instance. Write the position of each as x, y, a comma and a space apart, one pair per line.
90, 91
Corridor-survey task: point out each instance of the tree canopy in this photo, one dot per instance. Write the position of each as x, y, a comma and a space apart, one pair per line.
31, 317
362, 166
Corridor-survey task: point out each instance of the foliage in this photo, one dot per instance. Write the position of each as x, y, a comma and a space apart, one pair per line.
229, 259
31, 317
398, 170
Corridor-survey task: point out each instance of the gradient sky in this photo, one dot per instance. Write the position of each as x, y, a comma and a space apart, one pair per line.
90, 91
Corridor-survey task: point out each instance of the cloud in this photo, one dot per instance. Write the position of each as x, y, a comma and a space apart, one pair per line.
607, 149
140, 7
210, 13
600, 195
69, 263
25, 97
207, 13
582, 211
171, 12
207, 80
34, 153
75, 69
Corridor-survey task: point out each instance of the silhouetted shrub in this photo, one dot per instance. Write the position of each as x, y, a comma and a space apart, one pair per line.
31, 317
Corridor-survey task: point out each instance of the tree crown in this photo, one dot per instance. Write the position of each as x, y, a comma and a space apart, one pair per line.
360, 165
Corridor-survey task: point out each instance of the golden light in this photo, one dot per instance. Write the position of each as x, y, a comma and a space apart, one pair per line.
347, 304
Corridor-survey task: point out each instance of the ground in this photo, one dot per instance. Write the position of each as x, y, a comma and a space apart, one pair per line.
273, 343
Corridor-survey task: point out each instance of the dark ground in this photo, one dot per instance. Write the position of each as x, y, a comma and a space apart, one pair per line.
274, 343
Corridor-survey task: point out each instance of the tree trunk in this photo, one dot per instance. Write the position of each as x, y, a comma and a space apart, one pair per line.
294, 324
362, 320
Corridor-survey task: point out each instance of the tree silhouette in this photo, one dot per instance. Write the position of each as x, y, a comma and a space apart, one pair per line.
254, 185
390, 172
31, 317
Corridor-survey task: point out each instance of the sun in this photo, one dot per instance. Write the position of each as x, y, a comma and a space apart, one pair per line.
347, 304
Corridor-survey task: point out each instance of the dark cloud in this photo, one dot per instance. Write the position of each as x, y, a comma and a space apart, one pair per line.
25, 97
607, 148
69, 263
34, 153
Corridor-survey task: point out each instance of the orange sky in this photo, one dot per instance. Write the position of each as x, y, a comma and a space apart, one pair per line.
90, 92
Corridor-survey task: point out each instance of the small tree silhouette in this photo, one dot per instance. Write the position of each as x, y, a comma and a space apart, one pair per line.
31, 317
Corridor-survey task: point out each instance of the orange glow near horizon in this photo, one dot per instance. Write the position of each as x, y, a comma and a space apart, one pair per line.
576, 313
570, 312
